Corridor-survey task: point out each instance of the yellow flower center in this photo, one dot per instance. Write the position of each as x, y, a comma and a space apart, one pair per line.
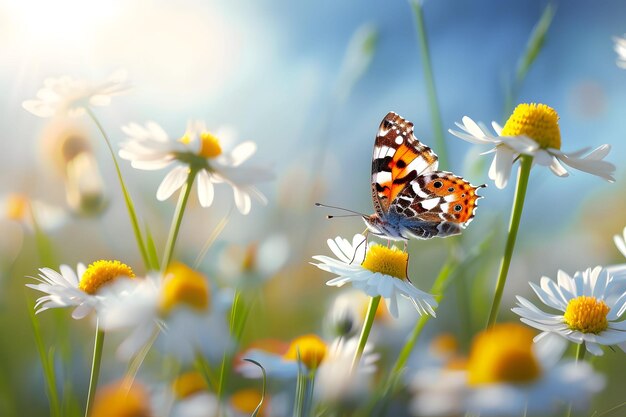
210, 145
309, 348
246, 400
503, 354
586, 315
188, 384
101, 273
184, 285
120, 401
389, 261
445, 344
250, 258
537, 121
17, 207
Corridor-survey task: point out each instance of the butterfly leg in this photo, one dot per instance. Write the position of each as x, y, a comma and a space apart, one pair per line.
406, 244
359, 245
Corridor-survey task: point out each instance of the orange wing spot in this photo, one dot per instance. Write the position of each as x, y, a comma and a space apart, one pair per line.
400, 173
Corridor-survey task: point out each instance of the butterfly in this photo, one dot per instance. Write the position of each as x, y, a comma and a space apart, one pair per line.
412, 199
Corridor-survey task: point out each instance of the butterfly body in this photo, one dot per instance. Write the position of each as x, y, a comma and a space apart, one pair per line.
412, 199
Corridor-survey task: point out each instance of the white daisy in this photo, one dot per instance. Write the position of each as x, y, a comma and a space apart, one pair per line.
592, 313
620, 49
505, 375
532, 130
71, 96
17, 207
150, 148
179, 307
331, 363
81, 289
375, 270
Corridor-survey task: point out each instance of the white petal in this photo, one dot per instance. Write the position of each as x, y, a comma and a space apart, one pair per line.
172, 182
205, 188
500, 169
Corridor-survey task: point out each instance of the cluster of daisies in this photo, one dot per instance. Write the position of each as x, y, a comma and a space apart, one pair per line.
509, 370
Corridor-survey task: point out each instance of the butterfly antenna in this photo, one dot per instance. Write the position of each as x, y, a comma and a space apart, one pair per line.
354, 213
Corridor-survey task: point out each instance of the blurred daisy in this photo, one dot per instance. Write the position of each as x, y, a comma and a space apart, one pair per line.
592, 313
505, 375
347, 313
150, 148
252, 265
81, 289
188, 396
117, 399
620, 49
533, 130
20, 208
67, 95
180, 303
376, 270
330, 363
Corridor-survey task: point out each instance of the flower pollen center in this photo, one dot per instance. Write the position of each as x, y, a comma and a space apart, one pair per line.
309, 348
246, 400
188, 384
119, 400
388, 261
586, 315
16, 207
210, 145
186, 286
536, 121
503, 354
103, 272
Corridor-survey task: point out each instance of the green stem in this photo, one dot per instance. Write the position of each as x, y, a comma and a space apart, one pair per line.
129, 202
437, 288
178, 218
95, 368
580, 352
526, 162
580, 355
431, 92
365, 331
47, 364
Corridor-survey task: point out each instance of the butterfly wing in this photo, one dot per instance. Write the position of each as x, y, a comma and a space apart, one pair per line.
399, 158
438, 203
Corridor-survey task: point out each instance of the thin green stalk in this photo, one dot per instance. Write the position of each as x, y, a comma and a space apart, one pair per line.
365, 331
138, 359
580, 355
526, 162
239, 312
299, 402
47, 364
95, 368
437, 289
178, 218
129, 202
431, 91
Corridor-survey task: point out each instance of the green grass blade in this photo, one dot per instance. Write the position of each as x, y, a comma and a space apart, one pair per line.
263, 388
129, 202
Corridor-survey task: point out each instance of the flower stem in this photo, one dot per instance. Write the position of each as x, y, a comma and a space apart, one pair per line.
47, 364
95, 368
437, 288
526, 162
177, 220
365, 331
580, 355
129, 202
431, 92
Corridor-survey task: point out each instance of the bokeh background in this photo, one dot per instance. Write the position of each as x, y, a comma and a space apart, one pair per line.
309, 82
